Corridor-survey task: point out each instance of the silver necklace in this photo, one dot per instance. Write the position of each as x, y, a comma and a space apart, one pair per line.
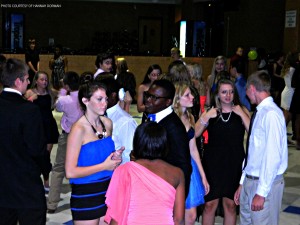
225, 121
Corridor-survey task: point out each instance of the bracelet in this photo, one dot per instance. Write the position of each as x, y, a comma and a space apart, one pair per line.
205, 124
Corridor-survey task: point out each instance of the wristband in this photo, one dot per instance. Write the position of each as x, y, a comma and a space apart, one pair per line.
205, 124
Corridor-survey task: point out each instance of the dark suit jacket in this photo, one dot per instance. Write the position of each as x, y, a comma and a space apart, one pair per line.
179, 152
23, 153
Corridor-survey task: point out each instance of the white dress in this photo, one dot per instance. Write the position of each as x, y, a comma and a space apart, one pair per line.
288, 91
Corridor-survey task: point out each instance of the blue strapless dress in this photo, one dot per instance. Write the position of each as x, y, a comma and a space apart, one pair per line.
196, 191
88, 193
93, 153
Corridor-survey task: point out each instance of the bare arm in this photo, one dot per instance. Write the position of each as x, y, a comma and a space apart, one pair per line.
127, 101
179, 206
140, 99
75, 140
66, 64
30, 95
207, 94
32, 67
244, 114
237, 195
196, 157
274, 71
51, 62
204, 119
113, 222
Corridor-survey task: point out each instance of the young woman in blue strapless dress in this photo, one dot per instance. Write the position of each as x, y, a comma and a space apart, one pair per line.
199, 186
89, 162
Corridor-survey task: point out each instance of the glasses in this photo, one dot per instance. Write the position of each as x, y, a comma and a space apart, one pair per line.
147, 95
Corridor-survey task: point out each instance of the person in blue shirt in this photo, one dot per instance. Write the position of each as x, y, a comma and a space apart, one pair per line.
237, 69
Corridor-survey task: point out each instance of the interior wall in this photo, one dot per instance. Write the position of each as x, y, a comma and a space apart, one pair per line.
257, 24
291, 34
80, 25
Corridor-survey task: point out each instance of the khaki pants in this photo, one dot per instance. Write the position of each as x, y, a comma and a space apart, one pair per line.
272, 206
58, 173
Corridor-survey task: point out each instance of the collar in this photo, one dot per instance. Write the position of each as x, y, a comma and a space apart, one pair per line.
74, 93
12, 90
112, 109
162, 114
264, 102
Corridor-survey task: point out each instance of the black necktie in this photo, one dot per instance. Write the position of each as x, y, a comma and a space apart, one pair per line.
248, 137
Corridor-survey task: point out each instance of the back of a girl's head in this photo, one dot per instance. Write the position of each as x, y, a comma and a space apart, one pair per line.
150, 141
86, 77
179, 74
195, 71
71, 79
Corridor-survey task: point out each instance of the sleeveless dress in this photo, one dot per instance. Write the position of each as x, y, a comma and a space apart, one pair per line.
224, 155
50, 126
277, 83
288, 91
137, 196
88, 193
196, 191
58, 71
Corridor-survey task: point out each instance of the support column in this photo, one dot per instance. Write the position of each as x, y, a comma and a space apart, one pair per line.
291, 41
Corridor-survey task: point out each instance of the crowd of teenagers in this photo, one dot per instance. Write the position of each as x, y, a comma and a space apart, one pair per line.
187, 154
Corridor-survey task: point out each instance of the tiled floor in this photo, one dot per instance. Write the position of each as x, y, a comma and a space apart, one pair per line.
290, 214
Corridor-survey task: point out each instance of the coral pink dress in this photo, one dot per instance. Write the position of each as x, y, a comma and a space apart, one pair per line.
137, 196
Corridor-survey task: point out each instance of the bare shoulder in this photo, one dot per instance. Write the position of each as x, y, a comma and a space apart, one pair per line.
78, 126
143, 87
173, 172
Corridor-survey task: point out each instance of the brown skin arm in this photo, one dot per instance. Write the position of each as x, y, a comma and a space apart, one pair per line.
113, 222
179, 206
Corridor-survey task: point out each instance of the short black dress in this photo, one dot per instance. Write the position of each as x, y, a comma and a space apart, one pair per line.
295, 104
50, 126
224, 155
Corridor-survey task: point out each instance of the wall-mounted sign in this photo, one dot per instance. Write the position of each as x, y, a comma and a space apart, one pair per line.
290, 18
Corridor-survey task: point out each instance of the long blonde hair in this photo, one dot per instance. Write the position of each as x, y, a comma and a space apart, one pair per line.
213, 74
180, 88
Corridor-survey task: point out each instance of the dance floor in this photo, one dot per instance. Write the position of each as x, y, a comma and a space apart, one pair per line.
290, 214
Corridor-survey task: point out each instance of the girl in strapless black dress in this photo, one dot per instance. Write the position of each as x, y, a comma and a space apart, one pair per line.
222, 160
43, 96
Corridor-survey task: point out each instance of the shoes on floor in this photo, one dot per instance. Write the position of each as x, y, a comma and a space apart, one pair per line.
47, 189
51, 211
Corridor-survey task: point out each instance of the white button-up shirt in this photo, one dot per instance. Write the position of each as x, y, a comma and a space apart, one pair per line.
268, 151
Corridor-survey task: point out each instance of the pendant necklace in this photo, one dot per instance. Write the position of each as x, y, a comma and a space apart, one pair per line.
225, 121
98, 134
